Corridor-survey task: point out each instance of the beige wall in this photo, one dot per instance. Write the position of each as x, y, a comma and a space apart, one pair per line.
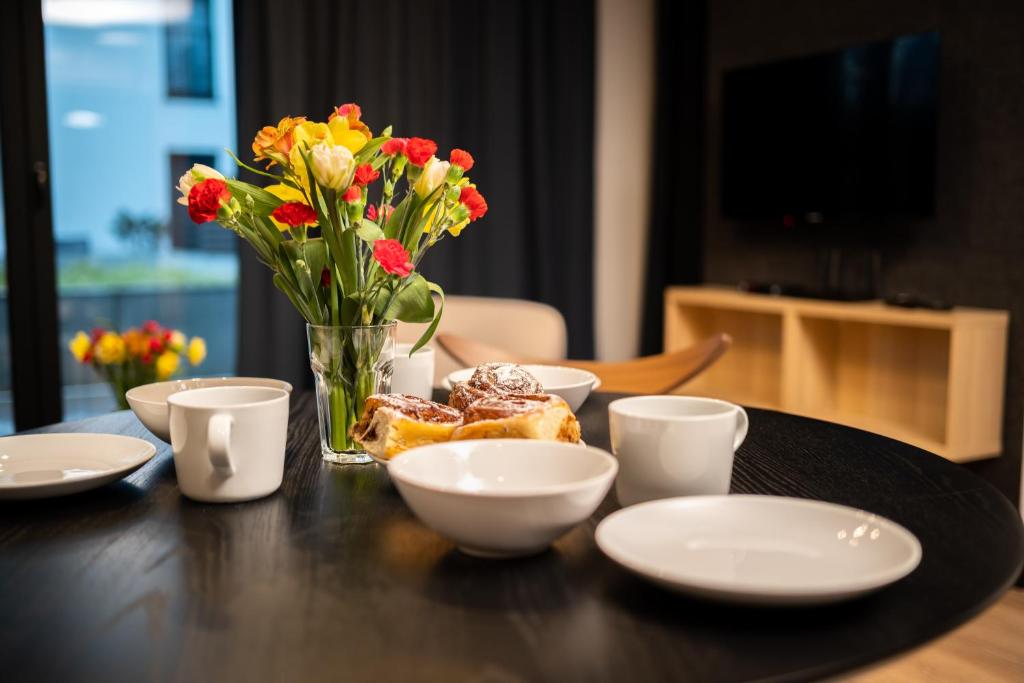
624, 109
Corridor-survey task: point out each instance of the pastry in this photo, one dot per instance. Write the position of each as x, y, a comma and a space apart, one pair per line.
523, 416
392, 423
494, 379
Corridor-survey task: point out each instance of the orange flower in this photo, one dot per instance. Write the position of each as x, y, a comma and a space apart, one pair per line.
276, 142
352, 114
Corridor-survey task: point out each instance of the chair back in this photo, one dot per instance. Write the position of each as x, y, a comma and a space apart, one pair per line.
526, 328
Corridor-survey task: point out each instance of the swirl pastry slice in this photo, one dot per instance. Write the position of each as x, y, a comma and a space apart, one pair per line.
524, 416
494, 379
392, 423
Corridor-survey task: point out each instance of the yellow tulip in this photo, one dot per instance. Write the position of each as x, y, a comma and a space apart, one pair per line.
110, 349
342, 134
196, 350
80, 346
167, 364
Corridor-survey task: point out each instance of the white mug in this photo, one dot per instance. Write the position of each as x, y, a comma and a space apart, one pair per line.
229, 442
674, 446
415, 375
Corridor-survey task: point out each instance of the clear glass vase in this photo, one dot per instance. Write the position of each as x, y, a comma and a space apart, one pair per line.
349, 363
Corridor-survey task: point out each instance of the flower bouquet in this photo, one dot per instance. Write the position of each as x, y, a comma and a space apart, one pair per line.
138, 356
343, 247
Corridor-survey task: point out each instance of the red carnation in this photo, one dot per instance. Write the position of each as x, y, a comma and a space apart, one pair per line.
294, 214
205, 198
155, 345
474, 201
373, 214
460, 157
392, 257
394, 146
325, 278
365, 175
353, 194
419, 150
151, 327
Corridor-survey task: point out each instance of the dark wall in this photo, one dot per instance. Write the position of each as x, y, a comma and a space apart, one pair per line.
972, 253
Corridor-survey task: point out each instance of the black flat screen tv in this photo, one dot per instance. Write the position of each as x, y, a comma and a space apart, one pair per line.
835, 139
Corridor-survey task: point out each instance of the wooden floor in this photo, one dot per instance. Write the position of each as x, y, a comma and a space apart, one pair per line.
989, 648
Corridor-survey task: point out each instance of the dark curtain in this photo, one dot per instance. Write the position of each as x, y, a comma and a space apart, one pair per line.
511, 82
678, 188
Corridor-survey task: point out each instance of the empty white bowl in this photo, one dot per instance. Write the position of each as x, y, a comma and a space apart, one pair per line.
503, 497
149, 402
572, 384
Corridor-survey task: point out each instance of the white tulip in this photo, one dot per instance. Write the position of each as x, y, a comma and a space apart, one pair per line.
333, 166
192, 176
434, 173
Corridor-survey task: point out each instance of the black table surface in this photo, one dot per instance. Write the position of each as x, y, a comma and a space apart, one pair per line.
333, 578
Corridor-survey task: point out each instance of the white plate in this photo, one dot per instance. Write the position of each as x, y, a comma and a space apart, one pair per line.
43, 465
759, 549
572, 384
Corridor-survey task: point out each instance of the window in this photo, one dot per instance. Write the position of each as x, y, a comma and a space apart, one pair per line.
189, 55
126, 251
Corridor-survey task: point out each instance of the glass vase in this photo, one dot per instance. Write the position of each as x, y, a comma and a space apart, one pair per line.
349, 362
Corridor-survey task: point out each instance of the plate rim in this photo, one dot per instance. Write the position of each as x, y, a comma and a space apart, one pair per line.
148, 454
731, 588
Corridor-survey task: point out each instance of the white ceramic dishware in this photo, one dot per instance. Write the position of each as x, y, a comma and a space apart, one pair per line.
229, 442
45, 465
413, 375
671, 446
572, 384
149, 401
763, 550
503, 497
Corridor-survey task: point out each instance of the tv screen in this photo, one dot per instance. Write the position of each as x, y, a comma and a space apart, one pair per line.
832, 138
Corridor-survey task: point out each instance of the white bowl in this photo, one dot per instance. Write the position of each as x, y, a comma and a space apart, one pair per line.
149, 401
503, 497
572, 384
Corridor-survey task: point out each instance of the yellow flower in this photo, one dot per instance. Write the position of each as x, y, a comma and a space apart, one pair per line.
167, 364
177, 341
196, 350
433, 175
342, 134
285, 193
80, 346
275, 142
110, 349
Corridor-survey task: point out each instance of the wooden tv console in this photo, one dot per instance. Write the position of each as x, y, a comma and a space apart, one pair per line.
930, 378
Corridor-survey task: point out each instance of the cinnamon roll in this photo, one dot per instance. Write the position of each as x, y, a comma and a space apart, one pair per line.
493, 379
522, 416
392, 423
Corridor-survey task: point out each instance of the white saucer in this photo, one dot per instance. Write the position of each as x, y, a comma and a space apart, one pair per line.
759, 549
44, 465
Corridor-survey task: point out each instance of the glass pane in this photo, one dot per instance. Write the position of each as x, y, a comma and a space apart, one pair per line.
138, 91
6, 399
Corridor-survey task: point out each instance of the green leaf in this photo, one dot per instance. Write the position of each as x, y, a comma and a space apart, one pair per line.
393, 227
264, 203
368, 231
370, 148
249, 168
429, 332
282, 284
412, 303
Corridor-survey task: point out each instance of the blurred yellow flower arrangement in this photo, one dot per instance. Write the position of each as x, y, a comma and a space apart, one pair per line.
137, 356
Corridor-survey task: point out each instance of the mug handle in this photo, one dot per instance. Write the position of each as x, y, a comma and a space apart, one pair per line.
743, 423
218, 437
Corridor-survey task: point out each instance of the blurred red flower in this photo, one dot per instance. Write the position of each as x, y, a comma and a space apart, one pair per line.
294, 214
365, 175
204, 199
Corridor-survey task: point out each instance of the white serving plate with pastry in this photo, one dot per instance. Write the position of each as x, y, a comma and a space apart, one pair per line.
149, 401
46, 465
503, 497
572, 384
764, 550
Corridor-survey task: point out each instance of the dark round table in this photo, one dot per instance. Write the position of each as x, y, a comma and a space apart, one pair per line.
333, 578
